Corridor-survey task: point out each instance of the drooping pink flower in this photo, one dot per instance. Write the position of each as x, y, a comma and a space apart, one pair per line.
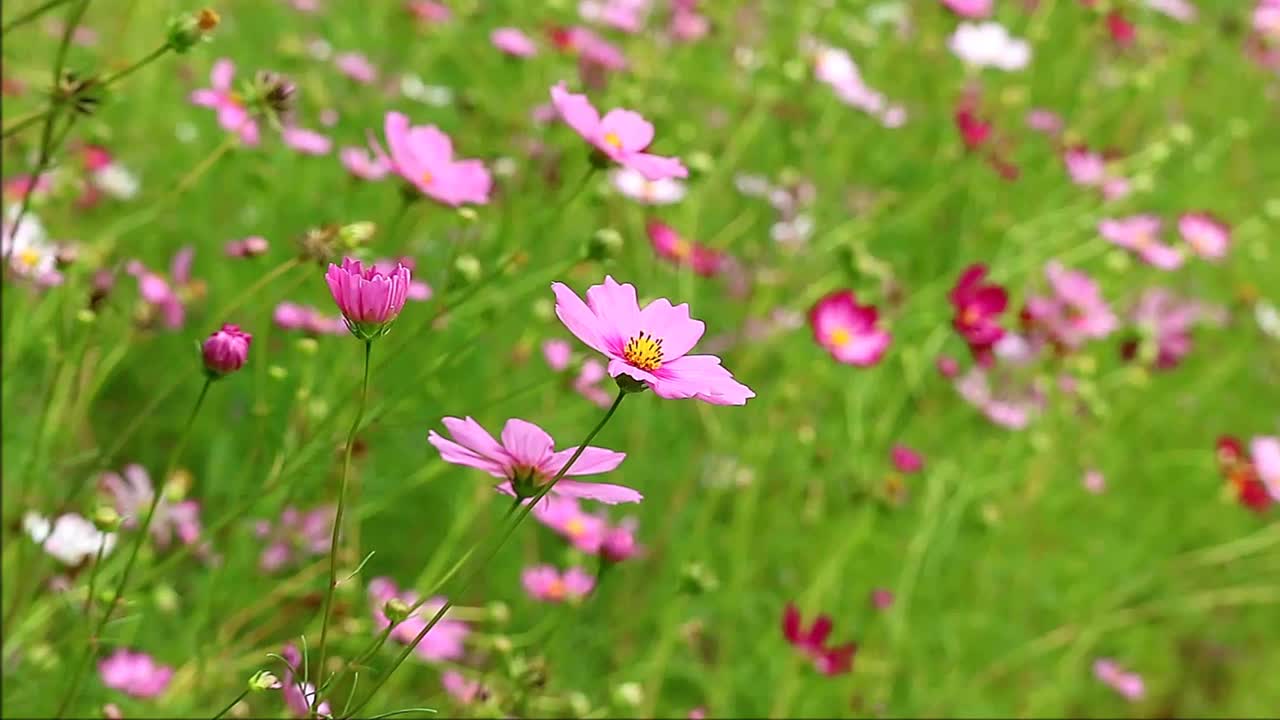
526, 460
423, 156
675, 249
251, 246
1207, 236
972, 9
1128, 684
545, 583
1075, 313
1141, 235
299, 695
847, 330
295, 537
648, 345
356, 66
363, 164
812, 642
514, 42
978, 306
370, 300
233, 115
621, 135
1265, 450
446, 640
134, 673
131, 492
226, 350
905, 459
166, 297
307, 142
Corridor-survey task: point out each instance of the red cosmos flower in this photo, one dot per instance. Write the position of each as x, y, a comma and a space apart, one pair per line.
973, 130
978, 306
1121, 30
813, 642
1238, 468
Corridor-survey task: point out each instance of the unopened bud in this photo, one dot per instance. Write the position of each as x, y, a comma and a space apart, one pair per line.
356, 234
308, 345
188, 30
468, 267
604, 244
106, 519
263, 680
697, 579
86, 316
396, 610
629, 694
499, 612
701, 162
468, 214
503, 644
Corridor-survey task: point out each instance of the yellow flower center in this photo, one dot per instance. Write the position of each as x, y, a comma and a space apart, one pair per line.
556, 590
681, 249
969, 316
30, 258
839, 337
575, 527
1143, 241
613, 139
427, 177
644, 352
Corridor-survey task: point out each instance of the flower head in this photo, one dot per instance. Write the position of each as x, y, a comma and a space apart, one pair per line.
363, 164
137, 674
226, 350
545, 583
132, 492
648, 345
631, 183
1141, 235
71, 539
295, 536
847, 330
812, 642
526, 460
446, 639
168, 297
621, 135
514, 42
423, 156
973, 9
370, 300
989, 44
233, 113
356, 66
1128, 684
1076, 312
675, 249
1207, 236
978, 306
905, 459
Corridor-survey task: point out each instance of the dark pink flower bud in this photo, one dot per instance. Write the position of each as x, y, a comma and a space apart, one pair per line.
226, 350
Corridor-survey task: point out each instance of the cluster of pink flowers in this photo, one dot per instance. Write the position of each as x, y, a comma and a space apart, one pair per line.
134, 673
1202, 234
296, 536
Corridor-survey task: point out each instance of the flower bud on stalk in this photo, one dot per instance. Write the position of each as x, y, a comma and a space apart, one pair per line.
226, 351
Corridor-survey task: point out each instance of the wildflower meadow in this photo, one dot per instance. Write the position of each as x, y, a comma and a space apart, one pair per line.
641, 358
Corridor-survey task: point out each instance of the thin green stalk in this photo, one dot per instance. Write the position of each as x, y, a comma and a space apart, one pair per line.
542, 492
93, 580
138, 65
31, 15
24, 123
235, 702
337, 521
79, 669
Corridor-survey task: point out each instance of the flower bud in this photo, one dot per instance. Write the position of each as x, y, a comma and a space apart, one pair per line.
188, 30
697, 579
468, 266
604, 244
396, 610
628, 384
226, 351
106, 519
356, 234
263, 680
629, 694
499, 612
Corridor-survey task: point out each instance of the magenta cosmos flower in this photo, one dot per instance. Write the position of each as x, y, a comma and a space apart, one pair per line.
299, 695
1075, 313
1128, 684
526, 460
648, 345
444, 642
1206, 235
1266, 460
978, 305
545, 583
621, 135
423, 156
973, 9
1141, 235
677, 250
370, 300
226, 350
233, 115
514, 42
134, 673
812, 642
847, 330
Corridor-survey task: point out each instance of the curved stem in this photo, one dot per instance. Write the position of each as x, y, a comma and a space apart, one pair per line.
31, 15
235, 702
156, 493
498, 546
138, 65
337, 523
29, 120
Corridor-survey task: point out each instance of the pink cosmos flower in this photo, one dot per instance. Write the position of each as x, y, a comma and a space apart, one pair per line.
251, 246
369, 299
423, 155
1266, 461
137, 674
989, 44
847, 330
307, 142
1085, 167
906, 460
673, 248
132, 492
1007, 401
1094, 482
688, 25
619, 542
545, 583
226, 350
972, 9
526, 460
813, 642
1166, 320
881, 599
233, 115
565, 516
1207, 236
445, 641
1075, 313
296, 536
1044, 121
157, 292
587, 384
463, 690
634, 185
1180, 10
648, 345
1128, 684
292, 316
299, 695
514, 42
621, 135
1141, 235
978, 305
363, 164
357, 67
429, 11
557, 353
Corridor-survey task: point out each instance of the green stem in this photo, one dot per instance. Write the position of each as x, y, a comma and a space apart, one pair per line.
492, 553
22, 124
126, 72
32, 15
337, 523
93, 580
235, 702
156, 493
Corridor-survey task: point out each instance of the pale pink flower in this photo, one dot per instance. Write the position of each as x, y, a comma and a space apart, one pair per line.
368, 298
463, 690
136, 674
648, 345
972, 9
363, 164
430, 11
1076, 312
1044, 121
70, 538
1207, 236
1085, 167
1180, 10
1094, 482
423, 155
621, 135
445, 641
1266, 460
688, 25
881, 599
848, 331
165, 296
1141, 235
1010, 404
557, 354
296, 536
418, 291
1114, 188
565, 516
625, 15
307, 142
514, 42
989, 44
594, 52
132, 492
1128, 684
587, 384
357, 67
526, 460
251, 246
545, 583
292, 316
634, 185
676, 249
233, 115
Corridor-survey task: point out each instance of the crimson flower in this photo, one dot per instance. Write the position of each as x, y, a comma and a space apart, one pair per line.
813, 642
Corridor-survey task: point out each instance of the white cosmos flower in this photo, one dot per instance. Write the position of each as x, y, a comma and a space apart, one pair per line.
989, 44
71, 538
117, 181
31, 254
659, 192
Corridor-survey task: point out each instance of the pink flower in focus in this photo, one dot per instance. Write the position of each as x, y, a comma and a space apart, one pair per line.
131, 492
906, 460
1075, 313
445, 641
812, 642
545, 583
233, 116
363, 164
1141, 235
1207, 236
1266, 461
526, 460
369, 299
165, 298
357, 67
296, 536
621, 135
972, 9
1128, 684
136, 674
673, 248
847, 330
423, 155
514, 42
226, 350
648, 345
307, 142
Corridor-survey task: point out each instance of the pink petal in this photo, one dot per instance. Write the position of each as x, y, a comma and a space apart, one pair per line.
629, 128
600, 492
576, 111
655, 167
703, 377
593, 461
205, 98
578, 318
527, 444
671, 324
616, 306
222, 74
